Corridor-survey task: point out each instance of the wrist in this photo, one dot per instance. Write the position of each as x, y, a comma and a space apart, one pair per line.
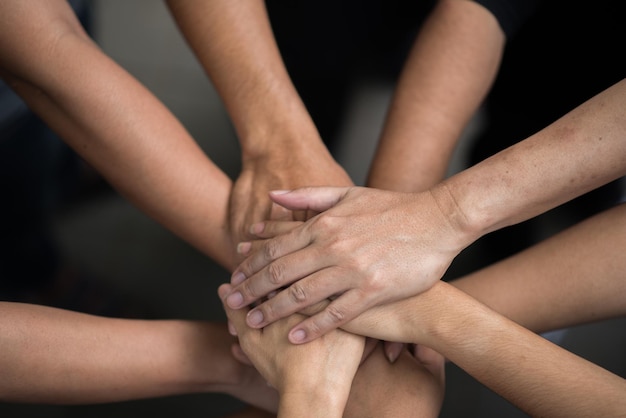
320, 401
278, 133
465, 230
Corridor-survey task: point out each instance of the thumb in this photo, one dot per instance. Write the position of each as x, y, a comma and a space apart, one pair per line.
317, 199
236, 317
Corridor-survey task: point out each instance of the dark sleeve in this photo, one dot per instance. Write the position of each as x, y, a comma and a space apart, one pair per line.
511, 14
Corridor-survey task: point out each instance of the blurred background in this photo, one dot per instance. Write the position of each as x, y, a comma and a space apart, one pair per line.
144, 270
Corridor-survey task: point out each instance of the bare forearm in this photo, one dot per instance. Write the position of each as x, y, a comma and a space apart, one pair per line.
539, 377
234, 42
572, 278
62, 357
117, 125
531, 372
447, 75
578, 153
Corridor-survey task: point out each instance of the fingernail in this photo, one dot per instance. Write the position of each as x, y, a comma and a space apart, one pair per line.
255, 318
257, 228
243, 248
298, 336
392, 355
231, 329
237, 278
235, 300
278, 192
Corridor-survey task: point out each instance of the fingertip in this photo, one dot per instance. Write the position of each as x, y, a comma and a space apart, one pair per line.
237, 278
297, 336
223, 290
231, 329
257, 228
234, 300
243, 248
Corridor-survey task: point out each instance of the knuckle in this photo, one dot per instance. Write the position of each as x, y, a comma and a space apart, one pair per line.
297, 293
248, 291
271, 249
335, 314
276, 273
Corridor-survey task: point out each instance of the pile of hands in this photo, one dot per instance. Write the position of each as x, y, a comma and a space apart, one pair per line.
315, 261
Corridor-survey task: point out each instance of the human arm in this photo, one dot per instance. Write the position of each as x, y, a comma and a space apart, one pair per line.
412, 386
55, 356
532, 373
571, 278
312, 380
450, 68
280, 145
114, 123
387, 245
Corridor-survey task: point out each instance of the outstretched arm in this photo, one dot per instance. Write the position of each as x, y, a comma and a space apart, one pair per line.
55, 356
280, 145
115, 123
449, 70
536, 375
574, 277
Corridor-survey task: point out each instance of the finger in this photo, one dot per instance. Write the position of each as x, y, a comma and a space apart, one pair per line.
236, 318
315, 308
393, 350
308, 291
270, 229
337, 313
268, 269
280, 213
309, 198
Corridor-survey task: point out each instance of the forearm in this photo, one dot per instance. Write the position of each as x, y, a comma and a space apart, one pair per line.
528, 370
61, 357
445, 78
118, 126
578, 153
571, 278
314, 403
234, 42
539, 377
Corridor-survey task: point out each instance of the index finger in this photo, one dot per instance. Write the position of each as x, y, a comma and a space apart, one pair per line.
262, 254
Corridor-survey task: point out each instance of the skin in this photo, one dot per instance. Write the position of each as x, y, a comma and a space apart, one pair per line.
316, 380
448, 72
86, 359
534, 374
130, 140
280, 145
317, 387
486, 322
281, 148
413, 237
132, 149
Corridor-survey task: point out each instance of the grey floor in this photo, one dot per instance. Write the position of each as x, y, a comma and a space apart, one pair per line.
141, 260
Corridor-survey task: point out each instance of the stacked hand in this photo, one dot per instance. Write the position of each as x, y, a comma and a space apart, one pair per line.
368, 247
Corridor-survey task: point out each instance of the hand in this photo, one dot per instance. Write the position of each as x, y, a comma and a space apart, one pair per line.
413, 386
250, 201
328, 365
367, 248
